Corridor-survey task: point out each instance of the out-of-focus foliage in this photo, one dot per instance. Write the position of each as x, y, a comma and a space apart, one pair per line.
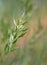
34, 51
15, 15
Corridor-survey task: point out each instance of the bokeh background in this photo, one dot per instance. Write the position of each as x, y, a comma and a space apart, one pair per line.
32, 47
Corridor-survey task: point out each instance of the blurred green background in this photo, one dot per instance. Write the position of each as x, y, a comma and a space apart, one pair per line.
32, 47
